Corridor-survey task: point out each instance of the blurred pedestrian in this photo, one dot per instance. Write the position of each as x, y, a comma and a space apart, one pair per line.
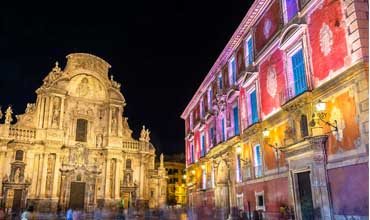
69, 214
2, 213
27, 214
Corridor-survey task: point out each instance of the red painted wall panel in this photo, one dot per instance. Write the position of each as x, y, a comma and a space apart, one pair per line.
268, 25
325, 61
272, 82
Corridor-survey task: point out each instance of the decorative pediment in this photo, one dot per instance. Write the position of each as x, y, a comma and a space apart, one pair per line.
291, 34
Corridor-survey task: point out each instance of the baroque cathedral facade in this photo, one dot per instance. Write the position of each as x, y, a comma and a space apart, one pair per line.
73, 147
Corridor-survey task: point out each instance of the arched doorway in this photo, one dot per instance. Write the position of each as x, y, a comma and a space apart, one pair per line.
222, 188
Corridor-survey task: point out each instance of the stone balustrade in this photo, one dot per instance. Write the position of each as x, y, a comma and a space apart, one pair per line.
22, 133
138, 146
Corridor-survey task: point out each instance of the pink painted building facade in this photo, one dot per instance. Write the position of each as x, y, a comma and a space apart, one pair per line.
279, 126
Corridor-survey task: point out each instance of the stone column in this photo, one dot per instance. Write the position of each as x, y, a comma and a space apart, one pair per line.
110, 121
34, 176
61, 113
141, 173
119, 121
320, 188
44, 172
56, 173
107, 183
49, 111
2, 164
117, 179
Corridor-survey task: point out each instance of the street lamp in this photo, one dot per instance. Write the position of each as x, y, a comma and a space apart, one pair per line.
320, 114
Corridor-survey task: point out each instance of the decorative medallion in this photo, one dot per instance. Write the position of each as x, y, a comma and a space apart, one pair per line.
326, 39
267, 28
271, 81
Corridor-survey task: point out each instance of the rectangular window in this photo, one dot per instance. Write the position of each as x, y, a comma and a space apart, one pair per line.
202, 145
254, 109
204, 179
191, 121
223, 129
210, 98
291, 9
220, 82
81, 130
249, 51
299, 73
260, 201
236, 120
238, 168
257, 161
202, 110
192, 155
232, 71
211, 136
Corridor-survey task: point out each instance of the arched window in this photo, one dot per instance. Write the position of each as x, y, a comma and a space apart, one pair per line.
128, 164
19, 155
81, 130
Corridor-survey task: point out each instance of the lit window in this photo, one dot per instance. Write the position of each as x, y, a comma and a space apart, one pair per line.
257, 161
201, 106
210, 98
220, 84
191, 120
252, 106
204, 179
290, 8
202, 145
232, 71
223, 129
296, 61
238, 168
249, 51
236, 120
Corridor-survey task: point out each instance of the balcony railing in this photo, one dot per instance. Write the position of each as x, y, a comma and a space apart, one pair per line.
258, 171
290, 92
21, 133
137, 146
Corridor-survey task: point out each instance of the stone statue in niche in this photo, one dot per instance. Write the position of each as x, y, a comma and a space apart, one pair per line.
83, 88
30, 107
80, 156
8, 115
17, 174
99, 140
56, 113
114, 121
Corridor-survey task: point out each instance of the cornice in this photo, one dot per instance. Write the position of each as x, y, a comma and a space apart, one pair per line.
255, 10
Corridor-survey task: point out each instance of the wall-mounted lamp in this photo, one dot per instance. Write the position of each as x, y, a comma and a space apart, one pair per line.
203, 167
320, 114
238, 150
184, 176
193, 172
265, 133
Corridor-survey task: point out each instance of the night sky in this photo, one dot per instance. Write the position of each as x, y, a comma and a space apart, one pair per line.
160, 51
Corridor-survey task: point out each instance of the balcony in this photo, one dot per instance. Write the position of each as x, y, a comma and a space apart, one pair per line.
22, 133
258, 171
137, 146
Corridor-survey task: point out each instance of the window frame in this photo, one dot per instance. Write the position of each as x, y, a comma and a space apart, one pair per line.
290, 73
220, 81
257, 195
232, 74
246, 51
256, 165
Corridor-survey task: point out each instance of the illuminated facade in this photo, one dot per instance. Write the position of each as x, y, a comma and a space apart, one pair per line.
73, 147
176, 189
256, 138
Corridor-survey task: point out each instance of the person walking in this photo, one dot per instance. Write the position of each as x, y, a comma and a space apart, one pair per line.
69, 215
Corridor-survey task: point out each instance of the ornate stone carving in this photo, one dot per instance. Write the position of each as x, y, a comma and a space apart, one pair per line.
54, 74
326, 39
271, 81
56, 112
115, 84
144, 134
30, 108
17, 175
83, 87
8, 115
99, 140
114, 121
